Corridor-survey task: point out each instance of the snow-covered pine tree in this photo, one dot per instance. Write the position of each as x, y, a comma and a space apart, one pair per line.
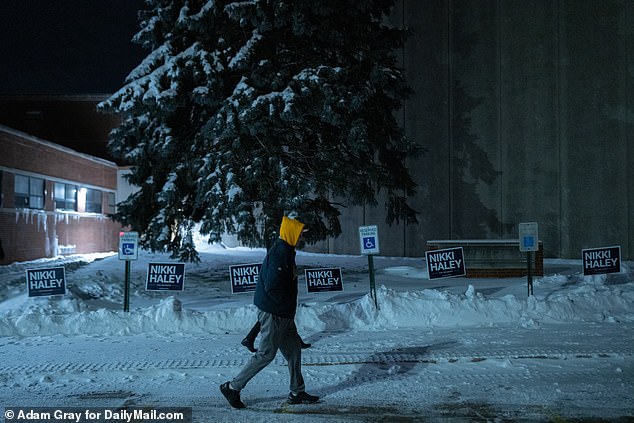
244, 111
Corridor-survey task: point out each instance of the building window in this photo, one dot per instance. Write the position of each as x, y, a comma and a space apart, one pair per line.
29, 192
93, 201
65, 196
111, 205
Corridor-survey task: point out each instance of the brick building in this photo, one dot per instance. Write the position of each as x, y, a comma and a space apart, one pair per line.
53, 200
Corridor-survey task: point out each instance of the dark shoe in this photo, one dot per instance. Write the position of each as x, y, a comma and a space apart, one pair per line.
231, 395
249, 344
305, 345
302, 398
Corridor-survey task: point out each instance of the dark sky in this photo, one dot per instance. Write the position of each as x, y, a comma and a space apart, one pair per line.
67, 46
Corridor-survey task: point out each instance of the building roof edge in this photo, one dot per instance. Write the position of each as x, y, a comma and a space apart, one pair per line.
33, 138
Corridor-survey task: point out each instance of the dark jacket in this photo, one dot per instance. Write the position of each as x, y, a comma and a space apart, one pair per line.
276, 290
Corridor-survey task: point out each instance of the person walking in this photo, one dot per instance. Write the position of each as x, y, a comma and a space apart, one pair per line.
276, 299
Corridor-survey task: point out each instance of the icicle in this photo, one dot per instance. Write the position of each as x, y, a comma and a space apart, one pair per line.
42, 221
47, 247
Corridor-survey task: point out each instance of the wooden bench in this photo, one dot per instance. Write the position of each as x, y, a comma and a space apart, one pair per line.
493, 258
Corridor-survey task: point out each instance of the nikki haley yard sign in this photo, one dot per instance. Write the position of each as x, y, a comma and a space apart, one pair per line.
244, 277
165, 277
597, 261
324, 280
43, 282
446, 263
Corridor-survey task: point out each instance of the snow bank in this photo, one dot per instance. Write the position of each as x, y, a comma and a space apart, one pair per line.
572, 298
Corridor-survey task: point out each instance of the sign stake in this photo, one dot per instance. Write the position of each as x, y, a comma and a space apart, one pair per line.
529, 260
126, 295
372, 282
529, 242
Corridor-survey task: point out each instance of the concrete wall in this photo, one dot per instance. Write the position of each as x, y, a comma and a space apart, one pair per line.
526, 109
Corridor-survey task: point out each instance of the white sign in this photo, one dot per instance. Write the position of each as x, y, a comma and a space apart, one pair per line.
369, 239
529, 237
128, 246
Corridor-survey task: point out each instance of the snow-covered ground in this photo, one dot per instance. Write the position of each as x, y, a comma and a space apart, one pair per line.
444, 350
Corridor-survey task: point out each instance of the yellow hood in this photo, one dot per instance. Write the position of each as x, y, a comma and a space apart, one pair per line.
290, 230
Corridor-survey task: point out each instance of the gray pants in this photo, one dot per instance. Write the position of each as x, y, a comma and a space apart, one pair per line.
276, 333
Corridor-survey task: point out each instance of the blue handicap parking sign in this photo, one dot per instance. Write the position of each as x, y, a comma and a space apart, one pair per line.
529, 242
128, 245
369, 239
127, 249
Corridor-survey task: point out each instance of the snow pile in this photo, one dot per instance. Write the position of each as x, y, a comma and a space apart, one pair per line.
433, 308
93, 303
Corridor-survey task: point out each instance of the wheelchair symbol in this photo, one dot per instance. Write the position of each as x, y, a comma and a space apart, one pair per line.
369, 243
127, 249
